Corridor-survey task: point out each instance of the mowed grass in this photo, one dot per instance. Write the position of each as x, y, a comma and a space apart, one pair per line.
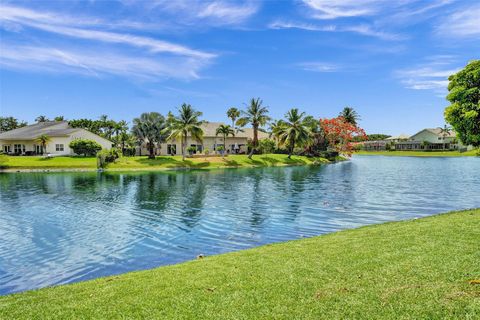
160, 162
417, 269
39, 162
231, 161
470, 153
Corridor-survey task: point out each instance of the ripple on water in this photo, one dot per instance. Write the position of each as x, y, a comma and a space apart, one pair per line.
67, 227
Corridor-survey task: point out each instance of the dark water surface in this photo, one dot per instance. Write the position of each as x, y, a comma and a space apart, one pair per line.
64, 227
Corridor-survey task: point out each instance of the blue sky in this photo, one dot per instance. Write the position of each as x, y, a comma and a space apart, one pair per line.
388, 59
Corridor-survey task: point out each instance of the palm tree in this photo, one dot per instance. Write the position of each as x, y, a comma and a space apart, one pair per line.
121, 135
59, 118
149, 128
350, 115
41, 119
185, 123
256, 115
233, 113
275, 129
294, 131
445, 133
43, 140
225, 131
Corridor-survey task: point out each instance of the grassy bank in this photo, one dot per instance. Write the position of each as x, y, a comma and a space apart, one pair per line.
159, 163
419, 269
470, 153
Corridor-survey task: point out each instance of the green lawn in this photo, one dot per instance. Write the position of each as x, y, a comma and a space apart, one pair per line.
14, 162
418, 269
470, 153
163, 162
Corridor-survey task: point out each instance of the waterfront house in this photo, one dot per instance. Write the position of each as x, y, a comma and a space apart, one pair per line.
23, 141
210, 142
430, 139
395, 139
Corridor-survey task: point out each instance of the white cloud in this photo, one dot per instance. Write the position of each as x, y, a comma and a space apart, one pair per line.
122, 54
432, 75
327, 9
362, 29
463, 23
210, 12
90, 63
319, 66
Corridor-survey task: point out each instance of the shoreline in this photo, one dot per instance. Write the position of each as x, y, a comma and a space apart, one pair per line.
153, 168
425, 154
333, 275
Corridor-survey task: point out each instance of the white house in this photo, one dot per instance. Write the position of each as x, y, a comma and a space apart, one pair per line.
430, 139
23, 141
210, 142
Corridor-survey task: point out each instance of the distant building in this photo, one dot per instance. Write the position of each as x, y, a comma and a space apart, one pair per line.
430, 139
22, 141
236, 144
402, 137
374, 145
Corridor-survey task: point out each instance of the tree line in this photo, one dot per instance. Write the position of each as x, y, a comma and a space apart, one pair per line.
296, 133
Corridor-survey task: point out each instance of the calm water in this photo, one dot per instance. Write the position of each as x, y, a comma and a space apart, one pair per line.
63, 227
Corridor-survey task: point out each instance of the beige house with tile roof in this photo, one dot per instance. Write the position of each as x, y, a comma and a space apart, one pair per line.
236, 144
22, 141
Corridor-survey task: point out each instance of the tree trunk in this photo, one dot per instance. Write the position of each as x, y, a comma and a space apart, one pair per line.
290, 149
184, 143
150, 149
254, 142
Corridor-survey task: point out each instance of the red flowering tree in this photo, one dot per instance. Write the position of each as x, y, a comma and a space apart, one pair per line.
339, 133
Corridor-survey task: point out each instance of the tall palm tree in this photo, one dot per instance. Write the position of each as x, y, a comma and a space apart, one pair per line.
225, 131
121, 135
185, 123
43, 140
41, 119
445, 133
233, 113
149, 128
350, 115
256, 115
294, 131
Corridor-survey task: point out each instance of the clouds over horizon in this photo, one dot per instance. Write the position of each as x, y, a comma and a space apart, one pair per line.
432, 74
124, 54
139, 44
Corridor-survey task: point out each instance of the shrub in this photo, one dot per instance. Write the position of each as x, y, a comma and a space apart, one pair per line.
105, 157
266, 146
85, 147
206, 151
191, 150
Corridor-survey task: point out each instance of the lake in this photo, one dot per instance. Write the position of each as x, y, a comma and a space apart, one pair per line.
58, 228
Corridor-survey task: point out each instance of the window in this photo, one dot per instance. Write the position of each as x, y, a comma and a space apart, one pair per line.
7, 149
171, 149
18, 148
59, 147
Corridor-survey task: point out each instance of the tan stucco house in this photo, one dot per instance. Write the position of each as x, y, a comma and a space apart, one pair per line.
236, 144
22, 141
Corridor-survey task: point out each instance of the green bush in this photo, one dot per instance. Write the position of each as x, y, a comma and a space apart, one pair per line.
191, 150
105, 157
85, 147
266, 146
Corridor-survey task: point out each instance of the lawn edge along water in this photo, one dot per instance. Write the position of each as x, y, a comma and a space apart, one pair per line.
422, 268
439, 154
162, 163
